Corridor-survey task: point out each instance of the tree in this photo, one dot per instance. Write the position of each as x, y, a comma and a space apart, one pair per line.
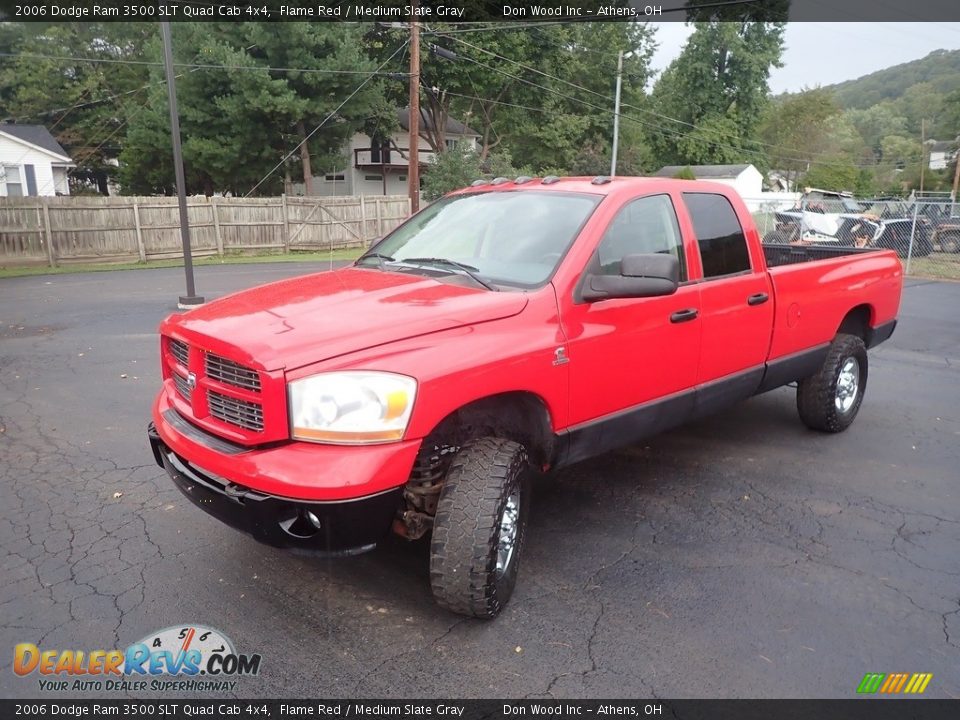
461, 166
715, 92
85, 103
238, 123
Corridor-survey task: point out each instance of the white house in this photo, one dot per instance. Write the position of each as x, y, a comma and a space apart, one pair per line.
32, 163
379, 165
747, 180
941, 153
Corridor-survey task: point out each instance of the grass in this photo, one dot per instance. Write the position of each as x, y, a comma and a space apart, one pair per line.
230, 259
939, 266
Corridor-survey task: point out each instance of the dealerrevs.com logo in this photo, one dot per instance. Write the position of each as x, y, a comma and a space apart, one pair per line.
179, 658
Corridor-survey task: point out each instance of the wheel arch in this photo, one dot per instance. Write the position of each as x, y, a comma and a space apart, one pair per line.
858, 321
518, 415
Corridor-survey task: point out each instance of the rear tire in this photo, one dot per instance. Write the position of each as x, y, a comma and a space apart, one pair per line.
480, 526
830, 400
950, 243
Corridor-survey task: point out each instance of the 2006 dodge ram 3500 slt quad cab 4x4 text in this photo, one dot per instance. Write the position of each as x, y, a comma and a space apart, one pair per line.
512, 327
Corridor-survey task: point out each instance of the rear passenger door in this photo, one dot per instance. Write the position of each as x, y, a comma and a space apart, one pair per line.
736, 303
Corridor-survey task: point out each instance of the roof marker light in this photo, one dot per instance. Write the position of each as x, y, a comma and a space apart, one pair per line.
600, 180
550, 180
522, 179
499, 181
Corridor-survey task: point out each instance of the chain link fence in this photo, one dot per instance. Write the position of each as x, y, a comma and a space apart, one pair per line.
924, 231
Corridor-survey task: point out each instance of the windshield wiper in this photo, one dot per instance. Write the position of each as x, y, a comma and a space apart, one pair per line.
380, 258
468, 270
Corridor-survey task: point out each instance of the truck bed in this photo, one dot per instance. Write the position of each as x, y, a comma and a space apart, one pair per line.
815, 286
778, 255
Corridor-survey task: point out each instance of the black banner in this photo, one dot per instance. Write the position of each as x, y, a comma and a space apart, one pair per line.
479, 10
855, 709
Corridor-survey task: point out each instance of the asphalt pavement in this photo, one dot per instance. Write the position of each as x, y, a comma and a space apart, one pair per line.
742, 556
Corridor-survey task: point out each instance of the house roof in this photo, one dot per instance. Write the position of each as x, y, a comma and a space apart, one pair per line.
703, 171
426, 123
36, 135
943, 146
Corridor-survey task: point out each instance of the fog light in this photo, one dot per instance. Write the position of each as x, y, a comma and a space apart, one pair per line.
304, 523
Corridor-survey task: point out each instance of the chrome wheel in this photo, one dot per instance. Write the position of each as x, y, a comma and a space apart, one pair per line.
848, 385
509, 525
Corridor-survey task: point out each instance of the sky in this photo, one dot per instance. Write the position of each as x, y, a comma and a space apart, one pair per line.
823, 53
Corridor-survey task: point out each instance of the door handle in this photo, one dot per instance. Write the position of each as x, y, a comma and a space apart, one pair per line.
684, 315
758, 299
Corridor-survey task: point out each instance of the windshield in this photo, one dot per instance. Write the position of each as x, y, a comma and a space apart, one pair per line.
504, 238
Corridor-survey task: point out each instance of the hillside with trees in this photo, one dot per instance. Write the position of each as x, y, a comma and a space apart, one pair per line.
264, 104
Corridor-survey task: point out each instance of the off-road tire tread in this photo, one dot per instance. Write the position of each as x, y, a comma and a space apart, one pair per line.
465, 530
815, 394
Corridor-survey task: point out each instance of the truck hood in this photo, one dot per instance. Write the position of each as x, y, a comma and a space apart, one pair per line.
303, 320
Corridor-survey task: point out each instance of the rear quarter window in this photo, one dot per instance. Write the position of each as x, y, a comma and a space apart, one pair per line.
720, 238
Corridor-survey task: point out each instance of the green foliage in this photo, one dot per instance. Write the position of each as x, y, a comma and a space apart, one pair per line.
685, 174
717, 88
941, 69
461, 166
238, 124
85, 104
833, 174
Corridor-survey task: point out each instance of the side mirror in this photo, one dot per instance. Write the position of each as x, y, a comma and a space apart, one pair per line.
652, 275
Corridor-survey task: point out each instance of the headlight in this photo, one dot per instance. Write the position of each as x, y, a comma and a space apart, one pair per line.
351, 407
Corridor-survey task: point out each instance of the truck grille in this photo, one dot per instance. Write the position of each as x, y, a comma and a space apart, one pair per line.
231, 373
180, 351
182, 387
242, 413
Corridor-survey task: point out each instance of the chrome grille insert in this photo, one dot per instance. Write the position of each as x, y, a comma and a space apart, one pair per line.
180, 351
242, 413
231, 373
182, 387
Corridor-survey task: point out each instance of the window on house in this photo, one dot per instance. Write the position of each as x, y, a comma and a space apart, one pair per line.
723, 247
13, 180
374, 178
403, 178
333, 178
30, 175
451, 143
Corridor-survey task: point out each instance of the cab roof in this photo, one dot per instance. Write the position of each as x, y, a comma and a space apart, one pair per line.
598, 185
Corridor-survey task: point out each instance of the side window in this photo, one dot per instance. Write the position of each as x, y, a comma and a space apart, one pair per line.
646, 225
723, 247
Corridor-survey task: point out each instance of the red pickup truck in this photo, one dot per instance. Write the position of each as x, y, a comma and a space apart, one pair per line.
512, 327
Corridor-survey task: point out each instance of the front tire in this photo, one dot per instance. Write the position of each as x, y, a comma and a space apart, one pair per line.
480, 527
830, 400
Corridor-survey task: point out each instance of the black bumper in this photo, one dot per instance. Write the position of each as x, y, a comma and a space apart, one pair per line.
338, 527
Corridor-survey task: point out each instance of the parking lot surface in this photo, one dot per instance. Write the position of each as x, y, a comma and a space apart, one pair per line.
743, 556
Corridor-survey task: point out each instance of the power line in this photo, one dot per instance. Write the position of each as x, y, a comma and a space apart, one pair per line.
326, 119
634, 107
658, 129
196, 66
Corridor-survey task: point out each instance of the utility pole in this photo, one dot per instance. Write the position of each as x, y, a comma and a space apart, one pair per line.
956, 178
413, 171
616, 117
191, 299
923, 150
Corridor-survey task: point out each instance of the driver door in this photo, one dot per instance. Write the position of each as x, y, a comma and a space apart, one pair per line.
633, 361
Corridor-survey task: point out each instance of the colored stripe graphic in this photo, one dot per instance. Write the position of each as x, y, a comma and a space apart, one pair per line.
871, 682
894, 683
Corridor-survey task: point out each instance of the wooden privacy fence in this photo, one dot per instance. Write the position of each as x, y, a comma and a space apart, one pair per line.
117, 229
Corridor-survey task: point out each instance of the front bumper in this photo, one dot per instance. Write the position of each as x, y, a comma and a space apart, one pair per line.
345, 526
